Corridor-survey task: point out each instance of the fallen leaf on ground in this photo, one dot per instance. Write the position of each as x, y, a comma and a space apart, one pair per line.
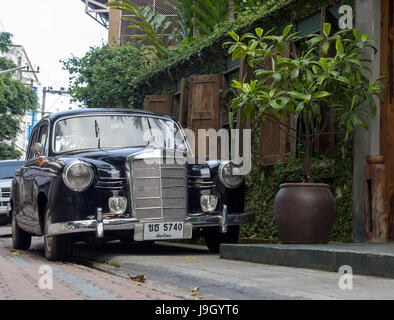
193, 294
194, 289
139, 278
138, 283
190, 258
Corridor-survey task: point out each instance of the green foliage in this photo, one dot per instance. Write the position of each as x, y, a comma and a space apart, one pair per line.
15, 100
6, 64
208, 14
101, 79
152, 25
8, 152
5, 41
302, 85
184, 19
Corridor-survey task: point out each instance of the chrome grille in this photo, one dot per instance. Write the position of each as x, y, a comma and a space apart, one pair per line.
5, 192
159, 189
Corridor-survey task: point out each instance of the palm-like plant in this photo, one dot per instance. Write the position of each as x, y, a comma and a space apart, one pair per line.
184, 19
208, 14
153, 26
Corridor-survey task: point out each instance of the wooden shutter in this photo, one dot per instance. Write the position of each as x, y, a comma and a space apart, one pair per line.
204, 104
184, 102
277, 136
159, 103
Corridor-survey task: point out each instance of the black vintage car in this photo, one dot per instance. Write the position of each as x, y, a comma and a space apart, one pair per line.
104, 174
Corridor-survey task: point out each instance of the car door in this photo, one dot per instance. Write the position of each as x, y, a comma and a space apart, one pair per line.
26, 178
41, 174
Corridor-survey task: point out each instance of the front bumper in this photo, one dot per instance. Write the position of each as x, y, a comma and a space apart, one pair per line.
100, 225
3, 211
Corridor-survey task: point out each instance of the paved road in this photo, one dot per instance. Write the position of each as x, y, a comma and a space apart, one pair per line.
173, 271
20, 279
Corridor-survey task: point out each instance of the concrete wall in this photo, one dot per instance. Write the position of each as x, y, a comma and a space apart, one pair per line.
368, 17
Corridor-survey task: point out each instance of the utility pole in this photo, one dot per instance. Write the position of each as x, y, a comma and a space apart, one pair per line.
12, 70
46, 90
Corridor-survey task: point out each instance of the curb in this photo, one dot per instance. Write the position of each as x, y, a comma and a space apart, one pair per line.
325, 257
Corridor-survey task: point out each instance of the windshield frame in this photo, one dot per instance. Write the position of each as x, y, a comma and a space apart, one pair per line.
52, 140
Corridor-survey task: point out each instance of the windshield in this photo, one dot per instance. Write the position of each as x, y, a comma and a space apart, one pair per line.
7, 169
116, 131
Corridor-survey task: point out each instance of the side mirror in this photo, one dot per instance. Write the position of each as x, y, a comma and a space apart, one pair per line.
37, 149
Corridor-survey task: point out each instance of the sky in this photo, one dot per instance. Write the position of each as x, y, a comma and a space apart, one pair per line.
51, 30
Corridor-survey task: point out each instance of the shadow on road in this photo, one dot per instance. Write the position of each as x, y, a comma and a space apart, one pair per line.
151, 249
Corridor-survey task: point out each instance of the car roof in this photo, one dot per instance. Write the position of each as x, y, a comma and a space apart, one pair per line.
12, 160
86, 111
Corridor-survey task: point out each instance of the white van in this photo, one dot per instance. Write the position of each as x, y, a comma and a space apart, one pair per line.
7, 172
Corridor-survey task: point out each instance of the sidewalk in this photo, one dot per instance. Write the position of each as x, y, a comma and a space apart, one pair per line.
364, 258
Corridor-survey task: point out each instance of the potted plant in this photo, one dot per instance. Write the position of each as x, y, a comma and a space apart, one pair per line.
329, 70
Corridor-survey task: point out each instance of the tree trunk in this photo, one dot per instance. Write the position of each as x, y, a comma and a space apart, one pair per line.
231, 9
307, 146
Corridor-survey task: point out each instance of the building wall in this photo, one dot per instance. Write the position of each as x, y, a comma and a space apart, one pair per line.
368, 19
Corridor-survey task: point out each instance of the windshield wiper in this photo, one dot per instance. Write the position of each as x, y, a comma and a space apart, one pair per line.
97, 130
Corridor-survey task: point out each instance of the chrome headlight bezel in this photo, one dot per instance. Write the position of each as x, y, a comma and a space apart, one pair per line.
213, 197
121, 210
222, 178
67, 169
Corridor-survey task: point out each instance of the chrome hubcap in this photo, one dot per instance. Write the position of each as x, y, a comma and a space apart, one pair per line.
48, 240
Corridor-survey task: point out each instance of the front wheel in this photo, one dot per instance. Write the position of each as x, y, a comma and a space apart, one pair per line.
213, 237
57, 248
20, 238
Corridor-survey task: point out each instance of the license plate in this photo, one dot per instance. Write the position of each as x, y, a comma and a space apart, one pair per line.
163, 230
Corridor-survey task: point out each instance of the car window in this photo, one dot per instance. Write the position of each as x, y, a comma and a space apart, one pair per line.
42, 138
33, 139
8, 168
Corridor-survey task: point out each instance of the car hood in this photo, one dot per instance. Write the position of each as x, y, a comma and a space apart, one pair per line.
109, 163
112, 163
5, 183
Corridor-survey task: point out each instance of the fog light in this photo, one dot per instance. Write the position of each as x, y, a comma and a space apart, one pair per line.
117, 205
208, 203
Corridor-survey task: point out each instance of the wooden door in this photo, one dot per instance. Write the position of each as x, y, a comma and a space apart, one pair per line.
158, 103
204, 104
387, 108
184, 102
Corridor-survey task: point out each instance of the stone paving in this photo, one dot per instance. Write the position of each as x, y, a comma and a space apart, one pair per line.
20, 278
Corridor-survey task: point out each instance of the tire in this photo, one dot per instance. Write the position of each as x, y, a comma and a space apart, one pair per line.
4, 220
57, 248
213, 237
20, 238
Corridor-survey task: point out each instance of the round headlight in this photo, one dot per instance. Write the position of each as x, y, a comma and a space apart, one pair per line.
78, 175
117, 205
208, 202
230, 175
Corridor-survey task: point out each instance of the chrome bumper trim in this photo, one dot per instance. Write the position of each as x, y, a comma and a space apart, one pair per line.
100, 226
218, 220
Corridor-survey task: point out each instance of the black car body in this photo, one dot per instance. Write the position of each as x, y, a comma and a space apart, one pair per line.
89, 174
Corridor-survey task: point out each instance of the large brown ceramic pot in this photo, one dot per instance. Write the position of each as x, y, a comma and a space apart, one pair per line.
304, 212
